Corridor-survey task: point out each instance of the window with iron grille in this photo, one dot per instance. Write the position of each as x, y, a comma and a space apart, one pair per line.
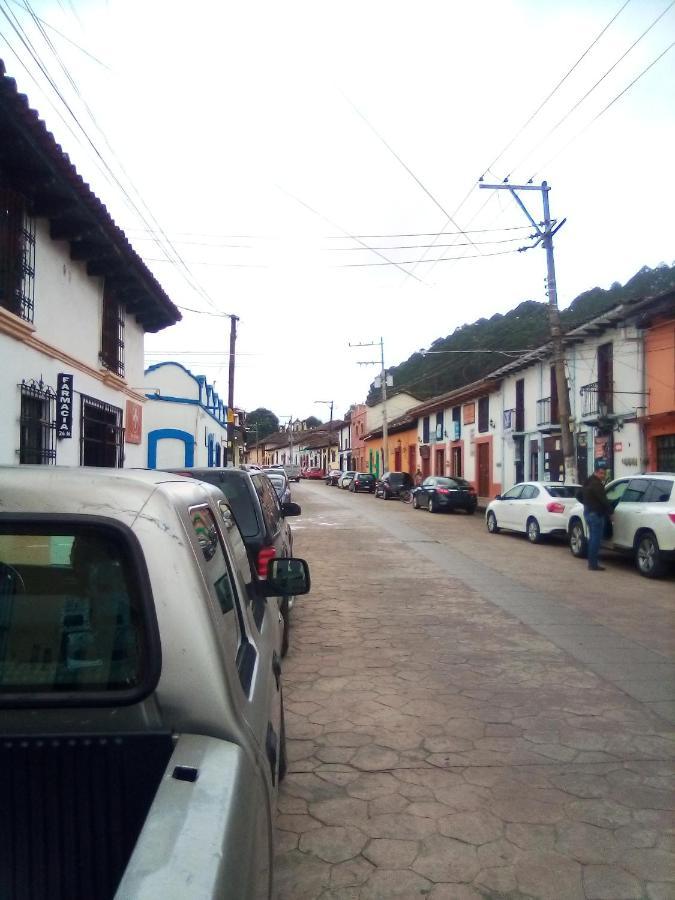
37, 424
112, 334
101, 434
17, 255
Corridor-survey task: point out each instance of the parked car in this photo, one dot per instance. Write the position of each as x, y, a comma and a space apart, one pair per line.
292, 472
142, 722
534, 508
345, 479
438, 493
643, 524
333, 476
314, 473
362, 481
390, 485
280, 484
261, 520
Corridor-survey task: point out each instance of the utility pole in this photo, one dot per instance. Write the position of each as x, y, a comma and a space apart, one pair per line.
230, 389
383, 377
544, 236
330, 431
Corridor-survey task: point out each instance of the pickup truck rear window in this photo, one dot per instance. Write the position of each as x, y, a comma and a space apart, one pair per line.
71, 613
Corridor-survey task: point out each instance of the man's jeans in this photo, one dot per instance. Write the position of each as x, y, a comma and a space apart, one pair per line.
596, 528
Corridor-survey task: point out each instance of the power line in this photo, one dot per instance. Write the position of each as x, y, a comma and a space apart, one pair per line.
65, 37
591, 89
433, 233
109, 174
525, 125
347, 234
604, 110
415, 246
554, 91
405, 165
440, 259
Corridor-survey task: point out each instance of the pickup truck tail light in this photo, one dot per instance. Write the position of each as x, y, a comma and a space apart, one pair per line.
265, 554
555, 507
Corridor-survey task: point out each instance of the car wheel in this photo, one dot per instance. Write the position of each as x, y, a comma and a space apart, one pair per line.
471, 510
491, 522
351, 488
416, 501
286, 616
432, 505
648, 557
533, 531
578, 542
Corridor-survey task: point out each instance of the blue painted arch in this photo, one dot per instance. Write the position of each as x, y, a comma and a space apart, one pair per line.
154, 437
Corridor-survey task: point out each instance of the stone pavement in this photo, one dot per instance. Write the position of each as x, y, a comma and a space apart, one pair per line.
441, 747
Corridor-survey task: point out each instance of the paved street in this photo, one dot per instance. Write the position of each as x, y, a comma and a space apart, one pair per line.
470, 716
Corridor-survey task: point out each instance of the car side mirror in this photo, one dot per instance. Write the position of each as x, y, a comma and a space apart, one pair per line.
291, 509
498, 496
287, 576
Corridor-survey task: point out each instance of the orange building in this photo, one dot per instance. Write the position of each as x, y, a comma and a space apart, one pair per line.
401, 445
659, 422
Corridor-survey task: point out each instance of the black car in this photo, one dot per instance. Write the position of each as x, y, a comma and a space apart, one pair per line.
362, 481
392, 483
437, 493
260, 518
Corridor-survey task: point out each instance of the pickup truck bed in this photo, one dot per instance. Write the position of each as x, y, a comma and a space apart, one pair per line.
72, 809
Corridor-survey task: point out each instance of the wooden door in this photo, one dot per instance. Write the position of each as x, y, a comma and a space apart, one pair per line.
412, 459
483, 470
440, 462
457, 461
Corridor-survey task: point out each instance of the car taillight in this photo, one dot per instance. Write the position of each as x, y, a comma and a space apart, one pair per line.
555, 507
442, 490
671, 516
471, 489
265, 554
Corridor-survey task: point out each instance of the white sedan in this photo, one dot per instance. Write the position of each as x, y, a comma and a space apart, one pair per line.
533, 507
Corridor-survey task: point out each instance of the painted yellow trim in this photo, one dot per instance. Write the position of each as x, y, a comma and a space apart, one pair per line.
17, 328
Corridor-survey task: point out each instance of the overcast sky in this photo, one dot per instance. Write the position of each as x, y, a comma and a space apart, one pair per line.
256, 135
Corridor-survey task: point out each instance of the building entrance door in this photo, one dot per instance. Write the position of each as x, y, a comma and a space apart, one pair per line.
440, 462
483, 470
457, 461
412, 458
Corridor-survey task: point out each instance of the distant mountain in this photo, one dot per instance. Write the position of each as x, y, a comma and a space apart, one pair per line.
521, 328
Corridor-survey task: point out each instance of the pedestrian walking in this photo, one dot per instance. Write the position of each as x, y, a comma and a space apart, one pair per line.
597, 508
419, 478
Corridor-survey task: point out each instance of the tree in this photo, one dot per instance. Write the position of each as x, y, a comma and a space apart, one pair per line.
313, 422
266, 421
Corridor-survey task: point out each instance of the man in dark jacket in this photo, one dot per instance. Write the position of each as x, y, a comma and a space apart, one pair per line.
596, 509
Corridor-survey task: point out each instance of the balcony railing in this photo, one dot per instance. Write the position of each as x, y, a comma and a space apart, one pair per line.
547, 411
596, 399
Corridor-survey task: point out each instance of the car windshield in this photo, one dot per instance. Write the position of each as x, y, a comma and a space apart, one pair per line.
364, 476
568, 491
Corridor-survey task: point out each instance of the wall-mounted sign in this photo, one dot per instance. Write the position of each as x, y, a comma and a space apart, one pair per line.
455, 431
133, 423
64, 405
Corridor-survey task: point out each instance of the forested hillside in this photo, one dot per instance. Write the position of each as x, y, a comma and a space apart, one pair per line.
521, 328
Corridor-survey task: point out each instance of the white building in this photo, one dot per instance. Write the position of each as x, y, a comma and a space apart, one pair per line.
185, 421
75, 303
605, 365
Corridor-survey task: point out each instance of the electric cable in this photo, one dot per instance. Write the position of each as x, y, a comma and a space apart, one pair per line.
590, 90
603, 110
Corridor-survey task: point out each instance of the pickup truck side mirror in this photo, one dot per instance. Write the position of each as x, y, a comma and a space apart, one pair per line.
287, 576
290, 509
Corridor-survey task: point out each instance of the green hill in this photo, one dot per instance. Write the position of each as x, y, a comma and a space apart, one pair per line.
521, 328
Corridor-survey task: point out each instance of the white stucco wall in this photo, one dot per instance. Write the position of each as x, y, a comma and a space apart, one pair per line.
396, 406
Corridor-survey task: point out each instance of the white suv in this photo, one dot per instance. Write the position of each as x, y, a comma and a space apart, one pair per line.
643, 522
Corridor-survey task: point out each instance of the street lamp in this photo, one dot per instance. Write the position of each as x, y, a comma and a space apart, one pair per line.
330, 431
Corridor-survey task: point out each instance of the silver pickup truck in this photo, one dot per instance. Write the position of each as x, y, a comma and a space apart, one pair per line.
141, 727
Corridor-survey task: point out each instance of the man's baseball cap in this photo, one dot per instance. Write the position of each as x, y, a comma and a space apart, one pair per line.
600, 464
